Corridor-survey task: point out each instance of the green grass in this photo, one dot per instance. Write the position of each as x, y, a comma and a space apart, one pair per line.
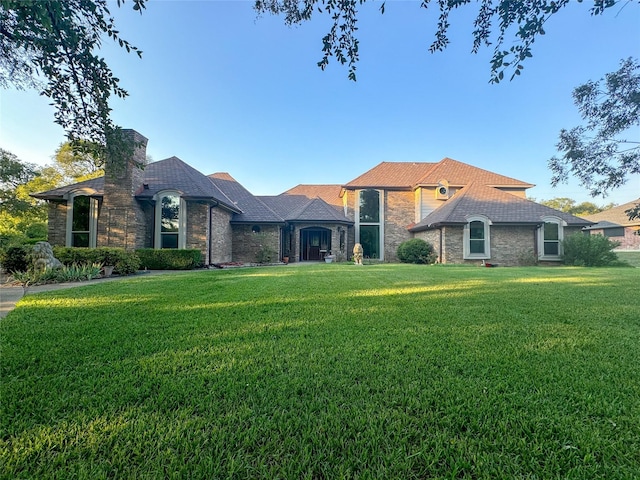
328, 371
632, 258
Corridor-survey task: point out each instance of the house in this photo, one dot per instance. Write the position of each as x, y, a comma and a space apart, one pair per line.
614, 223
469, 214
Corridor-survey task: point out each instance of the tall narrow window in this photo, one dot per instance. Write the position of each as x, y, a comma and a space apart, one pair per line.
476, 238
170, 221
550, 238
369, 223
82, 220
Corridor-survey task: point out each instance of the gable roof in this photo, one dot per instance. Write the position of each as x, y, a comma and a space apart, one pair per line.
328, 193
303, 209
252, 209
174, 174
409, 175
391, 175
496, 205
614, 216
460, 174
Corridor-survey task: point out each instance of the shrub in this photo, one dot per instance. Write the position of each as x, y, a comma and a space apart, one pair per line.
125, 262
266, 254
589, 250
14, 258
169, 259
416, 250
68, 273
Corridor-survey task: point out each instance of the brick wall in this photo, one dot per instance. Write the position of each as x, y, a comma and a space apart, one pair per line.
57, 223
399, 212
221, 236
630, 240
198, 228
121, 222
432, 237
247, 244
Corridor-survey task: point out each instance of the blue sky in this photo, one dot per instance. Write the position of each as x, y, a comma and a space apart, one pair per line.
226, 91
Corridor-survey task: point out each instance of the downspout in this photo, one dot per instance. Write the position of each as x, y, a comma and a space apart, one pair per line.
209, 239
440, 246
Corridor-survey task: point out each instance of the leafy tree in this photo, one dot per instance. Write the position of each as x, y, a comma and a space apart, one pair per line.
600, 153
569, 205
50, 45
78, 161
13, 173
511, 27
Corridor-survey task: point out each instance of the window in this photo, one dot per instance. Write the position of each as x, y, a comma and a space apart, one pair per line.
476, 238
170, 217
82, 221
550, 238
614, 232
369, 232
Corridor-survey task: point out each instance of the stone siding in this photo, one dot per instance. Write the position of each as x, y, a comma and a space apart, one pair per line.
221, 236
198, 228
247, 244
57, 223
399, 211
432, 237
121, 222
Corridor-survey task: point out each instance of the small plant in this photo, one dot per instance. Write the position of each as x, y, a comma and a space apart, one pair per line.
583, 250
15, 258
416, 250
169, 259
265, 254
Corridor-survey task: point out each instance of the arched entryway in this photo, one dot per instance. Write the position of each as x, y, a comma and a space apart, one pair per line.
315, 243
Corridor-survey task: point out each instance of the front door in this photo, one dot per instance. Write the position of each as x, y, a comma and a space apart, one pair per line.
315, 243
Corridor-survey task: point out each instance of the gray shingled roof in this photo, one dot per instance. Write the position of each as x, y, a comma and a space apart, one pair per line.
615, 215
498, 206
253, 210
96, 184
301, 208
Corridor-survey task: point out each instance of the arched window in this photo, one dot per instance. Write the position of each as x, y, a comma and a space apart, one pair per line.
170, 220
82, 220
477, 243
550, 238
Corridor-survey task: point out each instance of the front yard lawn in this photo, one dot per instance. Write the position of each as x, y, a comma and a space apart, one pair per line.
327, 371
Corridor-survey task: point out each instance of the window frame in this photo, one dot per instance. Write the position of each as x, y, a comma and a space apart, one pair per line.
93, 218
467, 254
541, 240
379, 223
182, 219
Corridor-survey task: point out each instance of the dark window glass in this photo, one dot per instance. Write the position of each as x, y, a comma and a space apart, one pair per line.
476, 237
551, 239
370, 240
170, 214
614, 232
169, 240
81, 214
80, 239
369, 206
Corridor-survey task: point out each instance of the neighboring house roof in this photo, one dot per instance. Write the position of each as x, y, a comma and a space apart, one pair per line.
96, 184
328, 193
300, 208
496, 205
614, 217
407, 175
252, 209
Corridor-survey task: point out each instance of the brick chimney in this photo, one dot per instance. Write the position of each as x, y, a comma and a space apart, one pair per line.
121, 221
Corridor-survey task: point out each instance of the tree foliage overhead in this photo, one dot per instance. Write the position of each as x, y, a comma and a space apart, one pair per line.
569, 205
52, 45
511, 27
604, 151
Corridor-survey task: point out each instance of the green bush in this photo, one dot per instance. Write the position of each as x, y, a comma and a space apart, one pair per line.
584, 250
68, 273
416, 250
14, 258
169, 259
125, 262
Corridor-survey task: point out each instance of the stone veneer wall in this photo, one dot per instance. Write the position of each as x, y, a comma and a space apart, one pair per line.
121, 222
221, 236
399, 212
198, 228
246, 244
57, 223
432, 237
